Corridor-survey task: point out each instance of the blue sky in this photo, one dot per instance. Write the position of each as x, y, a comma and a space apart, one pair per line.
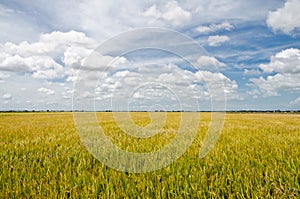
250, 52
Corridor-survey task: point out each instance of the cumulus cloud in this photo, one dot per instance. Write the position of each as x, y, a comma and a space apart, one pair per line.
50, 44
39, 58
217, 81
72, 38
271, 85
286, 66
215, 27
74, 55
285, 19
118, 16
252, 72
207, 61
96, 61
41, 66
46, 91
175, 14
185, 84
152, 12
286, 61
216, 40
59, 54
56, 55
171, 14
7, 96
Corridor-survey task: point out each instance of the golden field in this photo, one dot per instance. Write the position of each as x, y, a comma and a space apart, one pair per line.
256, 156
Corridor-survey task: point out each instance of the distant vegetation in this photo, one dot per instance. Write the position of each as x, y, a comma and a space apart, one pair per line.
229, 111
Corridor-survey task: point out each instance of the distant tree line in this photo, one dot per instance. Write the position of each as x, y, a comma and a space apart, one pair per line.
230, 111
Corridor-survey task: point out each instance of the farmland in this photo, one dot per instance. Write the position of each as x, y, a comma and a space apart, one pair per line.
257, 155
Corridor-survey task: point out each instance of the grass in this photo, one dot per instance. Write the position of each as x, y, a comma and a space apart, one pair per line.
257, 156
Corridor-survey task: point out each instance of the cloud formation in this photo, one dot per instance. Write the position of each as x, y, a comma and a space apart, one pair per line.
285, 19
286, 66
46, 91
7, 96
48, 46
171, 14
42, 58
286, 61
216, 40
141, 83
215, 27
207, 61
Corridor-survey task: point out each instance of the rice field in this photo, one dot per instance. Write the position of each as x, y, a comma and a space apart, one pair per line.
256, 156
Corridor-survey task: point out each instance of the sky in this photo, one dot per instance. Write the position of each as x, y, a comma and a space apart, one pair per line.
150, 55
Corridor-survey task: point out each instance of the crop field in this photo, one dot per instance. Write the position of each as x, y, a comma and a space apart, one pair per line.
256, 156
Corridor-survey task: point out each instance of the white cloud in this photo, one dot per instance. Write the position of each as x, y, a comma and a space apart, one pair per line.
72, 38
39, 58
7, 96
252, 72
218, 81
286, 65
96, 61
184, 83
207, 61
41, 66
217, 39
152, 12
46, 90
50, 44
215, 27
286, 61
59, 54
171, 14
140, 83
74, 55
119, 80
254, 92
175, 14
271, 85
286, 18
103, 19
14, 63
138, 95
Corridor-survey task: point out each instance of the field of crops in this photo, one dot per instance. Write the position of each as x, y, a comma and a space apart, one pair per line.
257, 156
